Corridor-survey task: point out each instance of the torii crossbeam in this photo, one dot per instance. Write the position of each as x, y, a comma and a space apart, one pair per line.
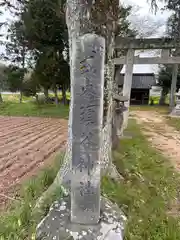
130, 45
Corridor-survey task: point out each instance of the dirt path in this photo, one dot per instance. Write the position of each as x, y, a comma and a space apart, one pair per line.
162, 136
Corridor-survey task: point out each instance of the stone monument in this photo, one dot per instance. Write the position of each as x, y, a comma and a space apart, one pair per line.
176, 111
87, 113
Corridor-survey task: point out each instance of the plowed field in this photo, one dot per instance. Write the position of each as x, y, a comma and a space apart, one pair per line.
26, 144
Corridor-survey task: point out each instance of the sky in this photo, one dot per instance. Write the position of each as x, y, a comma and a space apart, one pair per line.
143, 19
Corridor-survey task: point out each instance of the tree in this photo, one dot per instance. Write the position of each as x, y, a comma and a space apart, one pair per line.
14, 78
30, 86
41, 73
52, 72
17, 50
3, 81
164, 80
45, 26
47, 37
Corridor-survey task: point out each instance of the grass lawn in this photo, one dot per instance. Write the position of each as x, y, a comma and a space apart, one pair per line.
14, 98
145, 195
156, 108
33, 109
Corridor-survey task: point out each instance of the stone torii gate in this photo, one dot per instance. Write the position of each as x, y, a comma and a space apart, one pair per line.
85, 214
130, 45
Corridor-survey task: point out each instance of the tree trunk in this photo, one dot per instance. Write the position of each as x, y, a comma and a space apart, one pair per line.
56, 96
106, 157
1, 99
23, 66
37, 98
64, 95
20, 97
46, 95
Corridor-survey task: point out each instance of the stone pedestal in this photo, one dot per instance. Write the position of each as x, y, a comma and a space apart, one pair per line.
176, 110
57, 225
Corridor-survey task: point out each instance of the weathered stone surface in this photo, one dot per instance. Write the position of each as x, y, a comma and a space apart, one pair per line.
87, 94
176, 110
57, 225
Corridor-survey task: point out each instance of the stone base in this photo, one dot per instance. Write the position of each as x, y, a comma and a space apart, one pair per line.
175, 113
57, 225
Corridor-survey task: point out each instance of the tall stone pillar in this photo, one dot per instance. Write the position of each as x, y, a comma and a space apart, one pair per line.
87, 117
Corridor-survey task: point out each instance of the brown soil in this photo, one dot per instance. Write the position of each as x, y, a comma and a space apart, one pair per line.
27, 144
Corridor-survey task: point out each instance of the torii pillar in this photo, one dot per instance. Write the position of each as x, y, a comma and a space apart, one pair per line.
128, 83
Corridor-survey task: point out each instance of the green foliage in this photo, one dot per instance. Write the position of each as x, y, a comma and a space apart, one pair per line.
173, 5
16, 46
173, 23
45, 26
149, 187
47, 36
41, 34
124, 26
172, 26
52, 70
14, 78
30, 86
16, 51
3, 78
165, 78
20, 221
38, 39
